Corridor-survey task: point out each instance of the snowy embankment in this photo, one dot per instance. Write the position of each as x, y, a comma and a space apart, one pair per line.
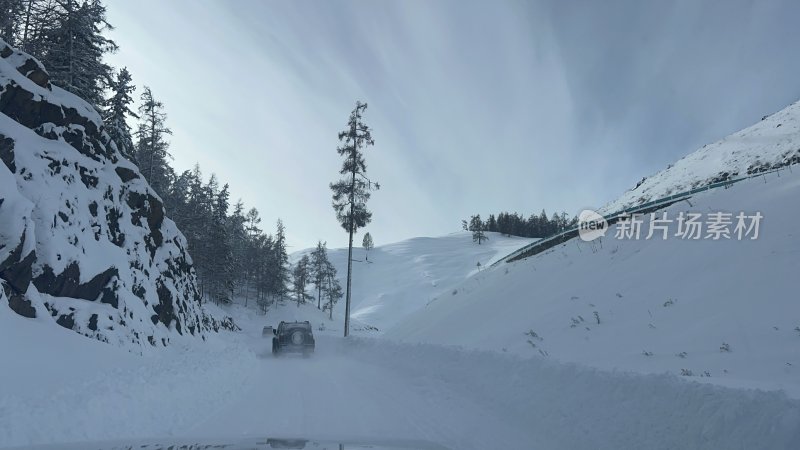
566, 406
401, 278
58, 386
718, 311
366, 388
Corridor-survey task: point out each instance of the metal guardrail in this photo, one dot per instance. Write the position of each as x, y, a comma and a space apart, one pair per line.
562, 236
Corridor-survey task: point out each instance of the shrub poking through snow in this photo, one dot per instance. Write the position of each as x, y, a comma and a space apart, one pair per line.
534, 335
687, 373
725, 347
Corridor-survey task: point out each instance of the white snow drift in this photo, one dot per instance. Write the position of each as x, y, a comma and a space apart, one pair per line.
403, 277
723, 311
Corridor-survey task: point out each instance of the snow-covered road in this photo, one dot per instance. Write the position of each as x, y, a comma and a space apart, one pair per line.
336, 395
231, 387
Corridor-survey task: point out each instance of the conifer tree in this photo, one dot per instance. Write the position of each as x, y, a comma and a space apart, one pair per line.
300, 276
73, 47
351, 193
152, 148
11, 15
477, 228
319, 268
117, 111
332, 290
281, 261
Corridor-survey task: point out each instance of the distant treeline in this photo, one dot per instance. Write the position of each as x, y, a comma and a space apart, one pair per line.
515, 224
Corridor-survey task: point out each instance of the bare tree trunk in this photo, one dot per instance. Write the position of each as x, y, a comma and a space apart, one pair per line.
330, 299
350, 245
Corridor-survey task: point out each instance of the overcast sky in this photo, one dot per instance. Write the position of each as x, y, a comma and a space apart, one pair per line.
475, 106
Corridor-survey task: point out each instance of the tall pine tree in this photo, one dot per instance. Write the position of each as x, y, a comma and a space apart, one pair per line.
73, 48
117, 110
350, 194
300, 276
281, 262
319, 266
332, 290
152, 148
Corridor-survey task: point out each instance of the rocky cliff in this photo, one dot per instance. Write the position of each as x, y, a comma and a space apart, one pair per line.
84, 241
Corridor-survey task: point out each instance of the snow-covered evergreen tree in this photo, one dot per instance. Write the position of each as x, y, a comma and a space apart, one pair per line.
332, 290
11, 15
281, 261
300, 278
477, 227
220, 264
29, 24
238, 244
152, 148
319, 268
117, 110
491, 223
74, 46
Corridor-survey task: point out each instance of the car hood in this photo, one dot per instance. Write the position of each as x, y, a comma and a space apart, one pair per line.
256, 443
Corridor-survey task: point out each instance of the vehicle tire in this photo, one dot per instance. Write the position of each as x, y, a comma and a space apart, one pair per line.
298, 338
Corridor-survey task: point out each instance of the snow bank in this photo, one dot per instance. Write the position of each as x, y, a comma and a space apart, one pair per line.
58, 386
664, 306
565, 406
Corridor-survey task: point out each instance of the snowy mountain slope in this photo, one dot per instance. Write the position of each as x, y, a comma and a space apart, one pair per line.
772, 142
663, 305
84, 241
403, 277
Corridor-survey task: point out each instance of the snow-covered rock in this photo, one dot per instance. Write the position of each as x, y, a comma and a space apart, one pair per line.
771, 143
84, 240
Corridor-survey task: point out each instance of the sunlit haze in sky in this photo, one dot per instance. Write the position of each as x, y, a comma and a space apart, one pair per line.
475, 106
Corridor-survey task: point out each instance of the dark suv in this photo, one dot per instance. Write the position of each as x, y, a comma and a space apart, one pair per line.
293, 337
